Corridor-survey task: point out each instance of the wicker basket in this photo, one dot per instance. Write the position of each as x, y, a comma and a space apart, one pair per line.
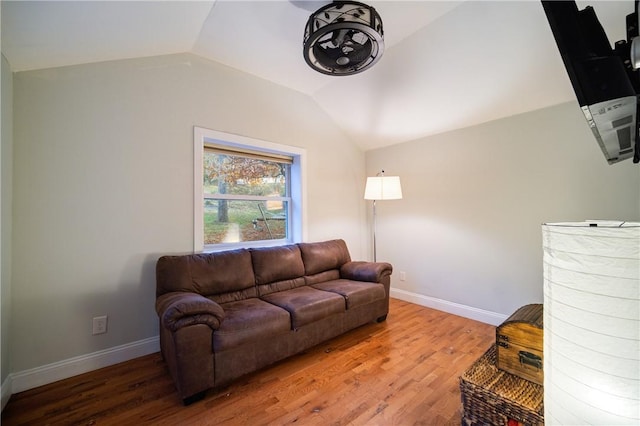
494, 397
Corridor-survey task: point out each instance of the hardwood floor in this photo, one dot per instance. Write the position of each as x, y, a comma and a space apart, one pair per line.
401, 372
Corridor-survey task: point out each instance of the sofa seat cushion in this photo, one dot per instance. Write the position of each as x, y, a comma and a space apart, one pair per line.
356, 293
246, 320
307, 304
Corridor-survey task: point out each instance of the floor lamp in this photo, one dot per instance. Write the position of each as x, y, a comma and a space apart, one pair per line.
591, 323
381, 187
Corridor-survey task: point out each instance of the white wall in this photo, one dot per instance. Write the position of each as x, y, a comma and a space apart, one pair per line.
468, 228
103, 186
5, 215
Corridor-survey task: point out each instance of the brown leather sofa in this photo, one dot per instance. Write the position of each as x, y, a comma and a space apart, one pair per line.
226, 314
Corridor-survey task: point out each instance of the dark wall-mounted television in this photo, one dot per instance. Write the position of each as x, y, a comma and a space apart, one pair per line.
603, 78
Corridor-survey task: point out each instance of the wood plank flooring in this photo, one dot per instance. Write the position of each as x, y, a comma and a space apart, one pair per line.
401, 372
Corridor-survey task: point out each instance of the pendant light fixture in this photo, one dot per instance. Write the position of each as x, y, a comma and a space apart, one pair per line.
343, 38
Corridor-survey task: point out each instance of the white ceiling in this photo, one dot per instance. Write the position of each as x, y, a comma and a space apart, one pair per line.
446, 65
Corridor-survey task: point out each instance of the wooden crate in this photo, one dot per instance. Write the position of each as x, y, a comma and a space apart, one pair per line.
491, 396
519, 342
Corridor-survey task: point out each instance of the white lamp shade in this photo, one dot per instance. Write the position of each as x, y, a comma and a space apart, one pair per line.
591, 323
383, 188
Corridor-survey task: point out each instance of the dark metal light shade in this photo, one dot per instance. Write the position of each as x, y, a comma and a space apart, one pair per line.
343, 38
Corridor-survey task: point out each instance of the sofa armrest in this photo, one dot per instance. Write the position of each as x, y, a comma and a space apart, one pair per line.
177, 310
366, 271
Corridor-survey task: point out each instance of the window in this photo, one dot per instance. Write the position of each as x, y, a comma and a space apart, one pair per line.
248, 192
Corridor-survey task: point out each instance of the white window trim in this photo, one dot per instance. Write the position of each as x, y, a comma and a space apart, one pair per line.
201, 136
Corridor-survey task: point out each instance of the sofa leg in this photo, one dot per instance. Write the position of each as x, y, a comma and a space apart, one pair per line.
194, 398
382, 318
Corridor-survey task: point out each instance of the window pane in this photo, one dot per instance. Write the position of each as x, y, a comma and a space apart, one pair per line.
230, 174
232, 221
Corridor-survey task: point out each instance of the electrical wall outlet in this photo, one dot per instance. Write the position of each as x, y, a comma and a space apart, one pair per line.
403, 275
100, 325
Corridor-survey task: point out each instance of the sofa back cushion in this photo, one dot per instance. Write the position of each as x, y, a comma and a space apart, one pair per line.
277, 268
222, 276
324, 256
172, 274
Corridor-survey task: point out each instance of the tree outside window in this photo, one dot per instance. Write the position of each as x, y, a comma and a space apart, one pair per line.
246, 196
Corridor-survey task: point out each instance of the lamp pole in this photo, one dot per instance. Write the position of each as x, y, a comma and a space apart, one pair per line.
374, 231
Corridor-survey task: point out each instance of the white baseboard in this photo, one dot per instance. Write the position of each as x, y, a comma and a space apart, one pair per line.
32, 378
481, 315
6, 392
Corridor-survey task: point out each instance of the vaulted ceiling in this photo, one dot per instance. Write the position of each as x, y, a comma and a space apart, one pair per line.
446, 65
